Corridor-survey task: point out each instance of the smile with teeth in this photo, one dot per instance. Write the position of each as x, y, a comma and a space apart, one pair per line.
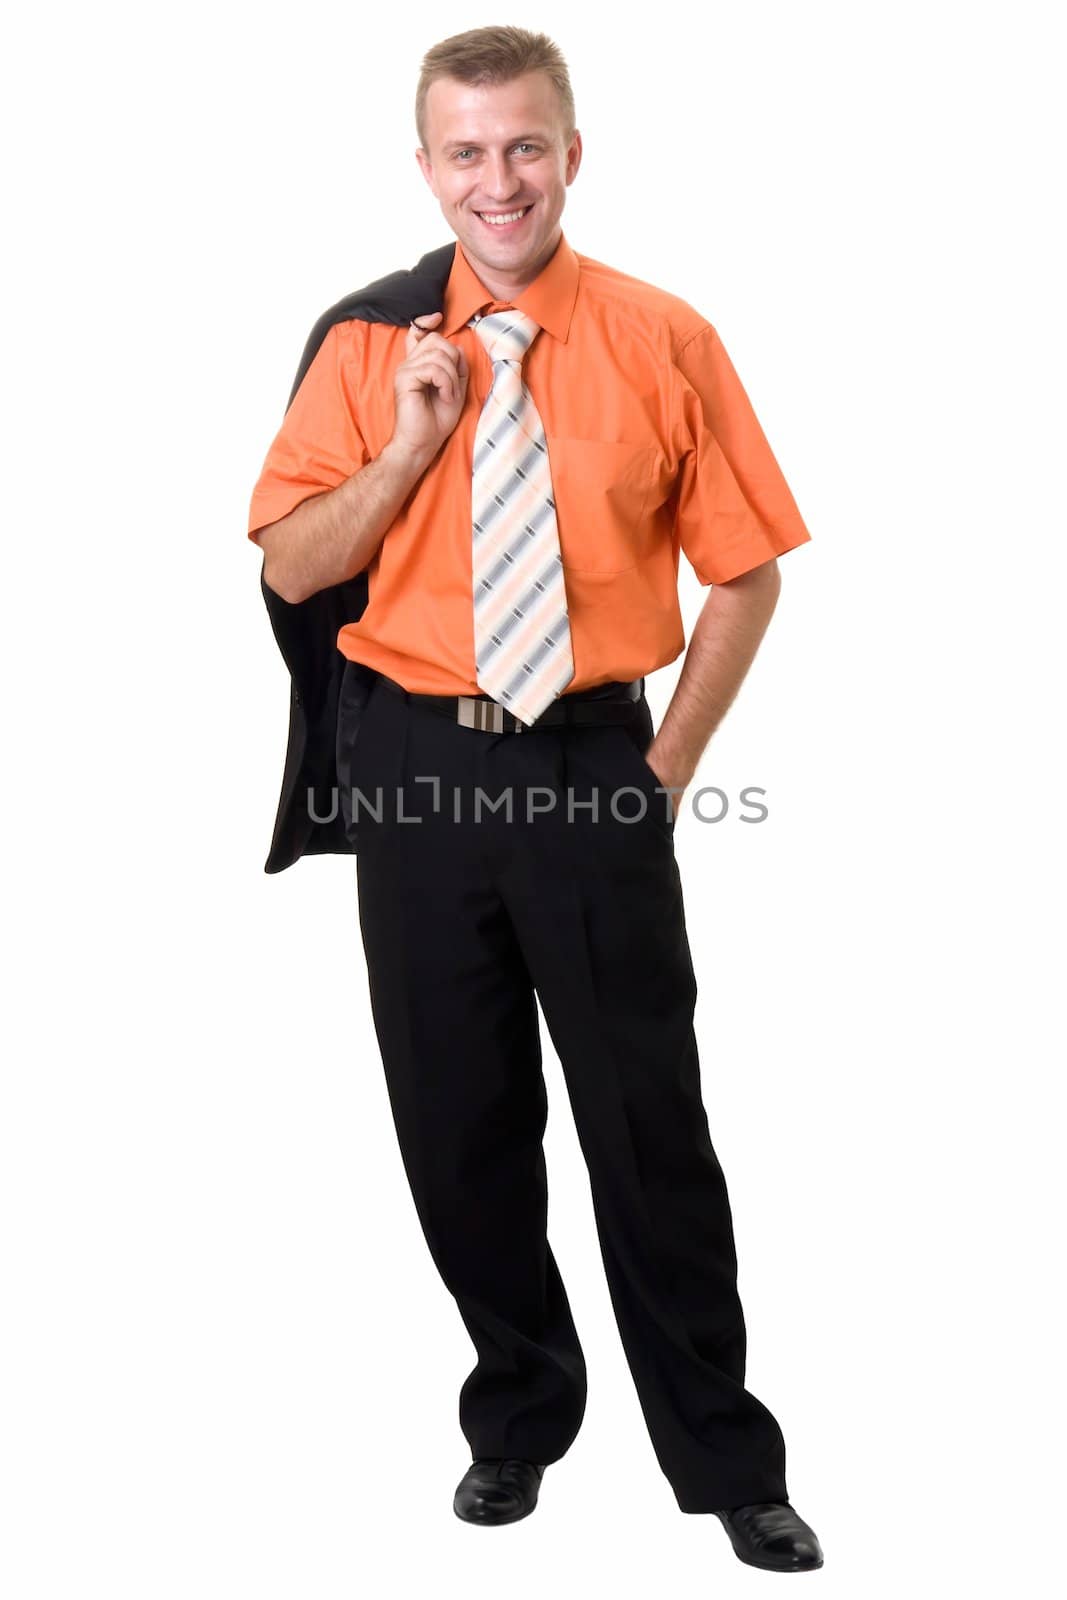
498, 219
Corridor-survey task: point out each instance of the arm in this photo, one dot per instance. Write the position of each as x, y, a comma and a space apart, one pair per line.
721, 650
735, 517
334, 535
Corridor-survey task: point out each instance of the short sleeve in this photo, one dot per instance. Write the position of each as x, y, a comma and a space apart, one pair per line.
319, 443
734, 509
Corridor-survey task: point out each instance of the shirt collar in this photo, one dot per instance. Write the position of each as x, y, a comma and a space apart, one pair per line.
549, 299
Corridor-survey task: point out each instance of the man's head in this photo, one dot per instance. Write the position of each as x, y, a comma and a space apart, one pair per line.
495, 118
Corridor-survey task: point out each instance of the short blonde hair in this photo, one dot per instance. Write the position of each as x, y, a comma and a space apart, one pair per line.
491, 56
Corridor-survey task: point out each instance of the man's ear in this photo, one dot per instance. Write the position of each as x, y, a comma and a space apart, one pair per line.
426, 168
574, 157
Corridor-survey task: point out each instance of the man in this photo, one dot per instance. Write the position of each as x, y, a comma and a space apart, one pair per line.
515, 473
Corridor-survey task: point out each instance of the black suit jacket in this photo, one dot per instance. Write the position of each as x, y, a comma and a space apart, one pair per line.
307, 632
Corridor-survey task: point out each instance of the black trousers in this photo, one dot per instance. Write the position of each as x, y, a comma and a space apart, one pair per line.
464, 918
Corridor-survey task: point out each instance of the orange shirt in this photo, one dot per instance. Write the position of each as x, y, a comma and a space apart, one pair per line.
653, 447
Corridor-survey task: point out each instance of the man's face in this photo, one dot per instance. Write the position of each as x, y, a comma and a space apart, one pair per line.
498, 149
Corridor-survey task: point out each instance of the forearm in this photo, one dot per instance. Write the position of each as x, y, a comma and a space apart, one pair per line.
335, 535
723, 646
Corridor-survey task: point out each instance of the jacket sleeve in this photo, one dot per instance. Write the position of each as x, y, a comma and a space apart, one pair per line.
319, 443
734, 509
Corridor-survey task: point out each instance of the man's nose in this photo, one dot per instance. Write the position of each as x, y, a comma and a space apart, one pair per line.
499, 181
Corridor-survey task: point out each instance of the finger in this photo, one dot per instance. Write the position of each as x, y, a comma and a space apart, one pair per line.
427, 357
431, 370
416, 333
419, 325
449, 384
434, 341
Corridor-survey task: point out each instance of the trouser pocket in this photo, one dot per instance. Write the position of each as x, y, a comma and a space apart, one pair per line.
634, 738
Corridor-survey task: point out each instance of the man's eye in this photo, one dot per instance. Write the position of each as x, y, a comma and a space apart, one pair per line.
523, 144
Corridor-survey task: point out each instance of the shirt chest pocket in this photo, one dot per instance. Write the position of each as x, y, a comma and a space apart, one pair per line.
601, 488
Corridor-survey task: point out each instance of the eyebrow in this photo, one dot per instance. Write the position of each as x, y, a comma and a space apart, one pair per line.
472, 144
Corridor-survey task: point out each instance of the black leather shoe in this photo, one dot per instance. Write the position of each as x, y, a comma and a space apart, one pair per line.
495, 1490
772, 1536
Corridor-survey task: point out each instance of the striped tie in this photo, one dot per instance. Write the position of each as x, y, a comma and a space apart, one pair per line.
522, 640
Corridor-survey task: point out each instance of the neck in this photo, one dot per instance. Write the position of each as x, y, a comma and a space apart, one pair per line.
504, 285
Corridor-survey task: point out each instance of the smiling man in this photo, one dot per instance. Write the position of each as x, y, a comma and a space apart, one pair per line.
502, 196
515, 471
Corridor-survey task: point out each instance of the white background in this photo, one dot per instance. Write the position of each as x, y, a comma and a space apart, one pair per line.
230, 1368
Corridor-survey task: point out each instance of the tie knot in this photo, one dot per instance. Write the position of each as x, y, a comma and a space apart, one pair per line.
506, 335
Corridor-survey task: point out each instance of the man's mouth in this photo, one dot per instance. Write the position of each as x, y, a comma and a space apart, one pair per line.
504, 221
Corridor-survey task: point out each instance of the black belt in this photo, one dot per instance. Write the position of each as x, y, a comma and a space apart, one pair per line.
608, 702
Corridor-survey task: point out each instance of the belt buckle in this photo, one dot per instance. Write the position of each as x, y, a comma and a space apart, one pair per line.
484, 714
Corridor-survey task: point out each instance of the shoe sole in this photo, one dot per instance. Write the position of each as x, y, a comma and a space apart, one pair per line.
495, 1522
773, 1566
768, 1566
